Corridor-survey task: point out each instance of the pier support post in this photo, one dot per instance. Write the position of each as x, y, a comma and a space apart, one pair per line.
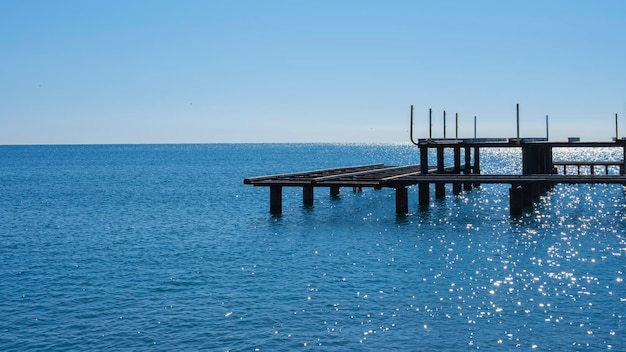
456, 186
424, 193
476, 169
307, 195
424, 188
423, 160
334, 191
528, 193
536, 188
516, 200
457, 160
440, 188
402, 200
468, 167
622, 168
440, 162
276, 199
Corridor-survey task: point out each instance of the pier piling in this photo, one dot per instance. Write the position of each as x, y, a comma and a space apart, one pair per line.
307, 195
276, 199
516, 198
424, 193
440, 187
402, 200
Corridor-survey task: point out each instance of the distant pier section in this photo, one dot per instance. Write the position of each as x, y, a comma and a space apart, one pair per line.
539, 173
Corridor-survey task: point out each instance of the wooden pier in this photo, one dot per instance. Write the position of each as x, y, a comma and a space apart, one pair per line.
538, 174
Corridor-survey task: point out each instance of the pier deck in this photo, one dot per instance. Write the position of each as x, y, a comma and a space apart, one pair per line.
394, 176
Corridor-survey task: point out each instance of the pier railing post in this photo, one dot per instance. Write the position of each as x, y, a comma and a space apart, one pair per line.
430, 123
517, 108
444, 124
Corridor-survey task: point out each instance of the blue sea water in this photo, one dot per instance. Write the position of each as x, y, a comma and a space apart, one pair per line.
162, 247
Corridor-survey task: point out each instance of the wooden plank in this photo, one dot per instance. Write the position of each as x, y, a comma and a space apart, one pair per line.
357, 173
430, 169
251, 180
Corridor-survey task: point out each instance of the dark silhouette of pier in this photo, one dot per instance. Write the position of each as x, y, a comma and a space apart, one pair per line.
539, 173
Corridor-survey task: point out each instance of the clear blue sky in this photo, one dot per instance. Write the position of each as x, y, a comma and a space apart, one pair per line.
307, 71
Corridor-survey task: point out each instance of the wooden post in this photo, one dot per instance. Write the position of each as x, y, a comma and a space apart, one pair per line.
476, 169
424, 193
424, 159
516, 200
535, 189
276, 199
402, 200
334, 191
550, 169
307, 195
440, 161
622, 169
528, 194
468, 167
440, 188
424, 188
456, 135
456, 186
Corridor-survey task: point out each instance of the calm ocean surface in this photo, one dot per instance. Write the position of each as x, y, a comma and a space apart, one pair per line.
162, 247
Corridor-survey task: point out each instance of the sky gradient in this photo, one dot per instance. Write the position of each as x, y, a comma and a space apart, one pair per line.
92, 72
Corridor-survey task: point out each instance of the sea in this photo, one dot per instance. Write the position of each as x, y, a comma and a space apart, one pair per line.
163, 247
